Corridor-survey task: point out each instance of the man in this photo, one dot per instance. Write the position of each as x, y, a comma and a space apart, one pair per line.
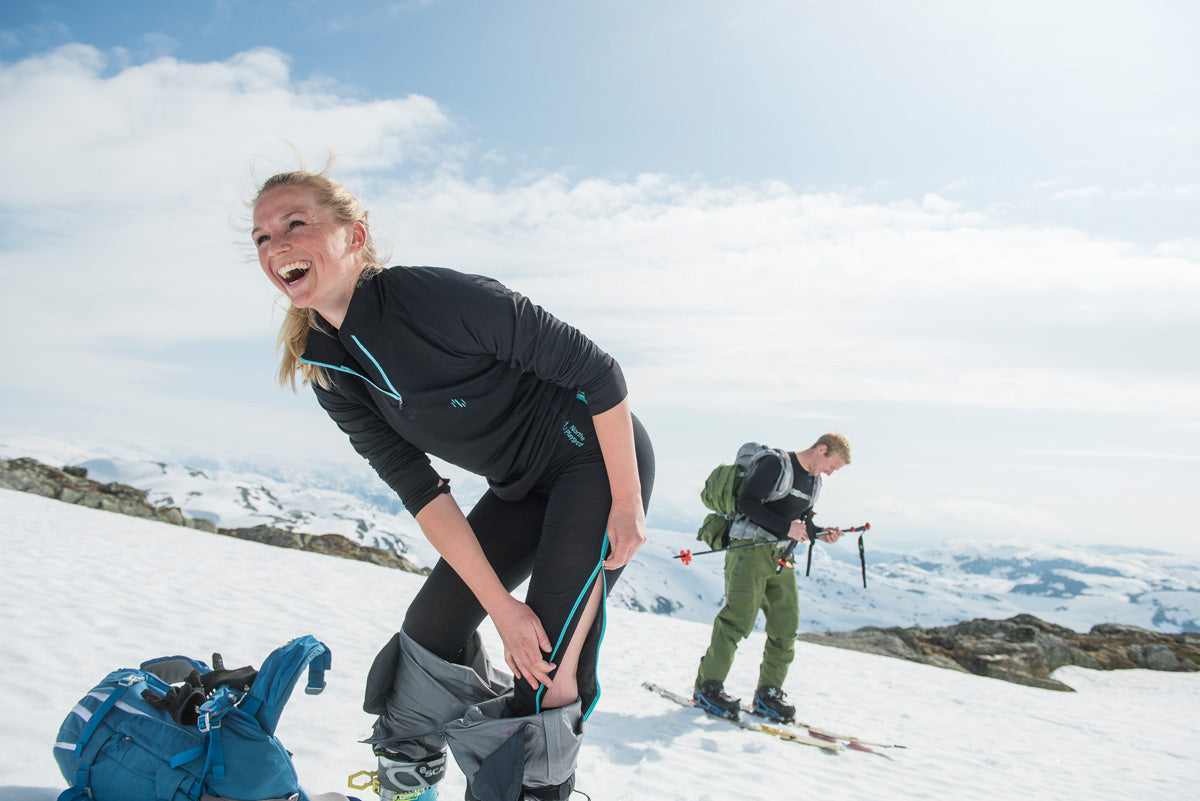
753, 580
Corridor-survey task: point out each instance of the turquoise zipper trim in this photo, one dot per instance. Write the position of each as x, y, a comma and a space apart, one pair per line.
378, 366
354, 373
587, 588
391, 391
602, 612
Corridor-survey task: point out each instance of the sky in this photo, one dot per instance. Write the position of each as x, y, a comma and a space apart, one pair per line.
960, 234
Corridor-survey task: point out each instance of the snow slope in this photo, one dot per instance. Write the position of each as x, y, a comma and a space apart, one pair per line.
1071, 586
83, 592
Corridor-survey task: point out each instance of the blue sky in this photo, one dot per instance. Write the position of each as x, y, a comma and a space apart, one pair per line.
962, 233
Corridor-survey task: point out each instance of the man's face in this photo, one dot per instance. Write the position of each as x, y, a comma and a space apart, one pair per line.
827, 465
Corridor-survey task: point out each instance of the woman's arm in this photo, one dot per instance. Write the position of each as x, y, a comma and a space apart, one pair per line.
524, 638
627, 518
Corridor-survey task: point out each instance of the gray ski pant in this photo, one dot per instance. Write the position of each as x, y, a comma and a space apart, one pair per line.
424, 702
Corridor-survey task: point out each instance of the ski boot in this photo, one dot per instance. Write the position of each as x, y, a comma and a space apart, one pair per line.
559, 792
710, 696
769, 702
401, 779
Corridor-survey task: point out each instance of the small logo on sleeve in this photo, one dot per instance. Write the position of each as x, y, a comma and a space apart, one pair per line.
573, 434
458, 403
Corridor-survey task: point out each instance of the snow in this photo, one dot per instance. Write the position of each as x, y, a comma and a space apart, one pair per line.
963, 579
84, 592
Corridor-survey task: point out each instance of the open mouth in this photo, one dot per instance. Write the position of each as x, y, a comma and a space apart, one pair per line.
294, 271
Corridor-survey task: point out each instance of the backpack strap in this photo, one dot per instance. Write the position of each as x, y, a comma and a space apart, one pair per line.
273, 686
211, 712
783, 487
79, 788
122, 686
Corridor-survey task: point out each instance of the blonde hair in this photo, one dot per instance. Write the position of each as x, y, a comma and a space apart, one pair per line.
835, 444
297, 323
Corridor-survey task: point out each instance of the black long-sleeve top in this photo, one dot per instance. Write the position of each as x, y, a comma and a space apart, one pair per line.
776, 516
433, 361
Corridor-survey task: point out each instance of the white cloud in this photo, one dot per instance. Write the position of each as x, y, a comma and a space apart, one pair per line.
121, 250
126, 236
122, 191
168, 129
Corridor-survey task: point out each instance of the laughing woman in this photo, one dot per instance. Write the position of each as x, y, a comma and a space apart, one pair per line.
418, 361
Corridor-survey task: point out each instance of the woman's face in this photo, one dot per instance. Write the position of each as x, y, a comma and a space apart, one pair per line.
309, 256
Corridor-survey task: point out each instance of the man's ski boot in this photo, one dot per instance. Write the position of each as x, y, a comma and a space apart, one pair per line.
769, 702
710, 696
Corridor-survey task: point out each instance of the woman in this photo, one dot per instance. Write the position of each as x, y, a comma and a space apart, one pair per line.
417, 361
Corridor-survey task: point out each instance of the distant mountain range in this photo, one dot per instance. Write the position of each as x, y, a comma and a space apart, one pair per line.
1071, 586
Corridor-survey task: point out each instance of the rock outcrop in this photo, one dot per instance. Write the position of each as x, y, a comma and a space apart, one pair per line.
1023, 649
71, 484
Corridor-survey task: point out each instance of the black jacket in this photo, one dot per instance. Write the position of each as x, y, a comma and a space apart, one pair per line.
432, 361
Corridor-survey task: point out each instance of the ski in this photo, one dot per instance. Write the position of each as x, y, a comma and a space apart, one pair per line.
848, 740
775, 731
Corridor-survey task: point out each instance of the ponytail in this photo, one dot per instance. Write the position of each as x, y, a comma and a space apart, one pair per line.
290, 344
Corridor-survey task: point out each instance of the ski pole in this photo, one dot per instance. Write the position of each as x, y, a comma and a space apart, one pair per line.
813, 541
784, 560
686, 554
862, 557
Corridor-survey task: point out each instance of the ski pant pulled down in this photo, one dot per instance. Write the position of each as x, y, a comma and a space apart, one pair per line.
423, 702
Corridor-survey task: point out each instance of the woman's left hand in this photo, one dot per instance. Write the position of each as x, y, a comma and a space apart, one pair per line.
626, 532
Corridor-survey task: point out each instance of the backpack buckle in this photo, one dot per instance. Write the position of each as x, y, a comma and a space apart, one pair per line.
207, 722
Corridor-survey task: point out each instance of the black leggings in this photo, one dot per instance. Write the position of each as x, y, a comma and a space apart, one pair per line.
555, 537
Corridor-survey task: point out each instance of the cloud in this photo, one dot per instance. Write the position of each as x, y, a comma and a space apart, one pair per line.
122, 250
123, 188
120, 210
1129, 456
919, 302
154, 130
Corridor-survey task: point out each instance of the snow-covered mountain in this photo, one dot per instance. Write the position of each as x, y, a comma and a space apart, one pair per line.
960, 580
362, 510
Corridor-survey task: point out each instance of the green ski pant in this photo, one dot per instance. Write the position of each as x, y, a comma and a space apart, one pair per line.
751, 584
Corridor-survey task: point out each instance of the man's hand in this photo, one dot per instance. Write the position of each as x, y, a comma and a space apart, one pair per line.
830, 535
798, 531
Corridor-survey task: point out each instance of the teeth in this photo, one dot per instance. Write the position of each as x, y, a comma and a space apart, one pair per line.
293, 271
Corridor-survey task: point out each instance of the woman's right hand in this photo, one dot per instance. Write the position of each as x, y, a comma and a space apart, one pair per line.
525, 642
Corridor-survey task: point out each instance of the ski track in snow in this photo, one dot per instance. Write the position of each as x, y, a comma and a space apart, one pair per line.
85, 592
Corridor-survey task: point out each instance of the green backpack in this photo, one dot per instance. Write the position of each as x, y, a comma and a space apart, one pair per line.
723, 486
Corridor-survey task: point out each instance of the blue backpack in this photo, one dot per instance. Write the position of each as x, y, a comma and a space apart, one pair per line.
176, 729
